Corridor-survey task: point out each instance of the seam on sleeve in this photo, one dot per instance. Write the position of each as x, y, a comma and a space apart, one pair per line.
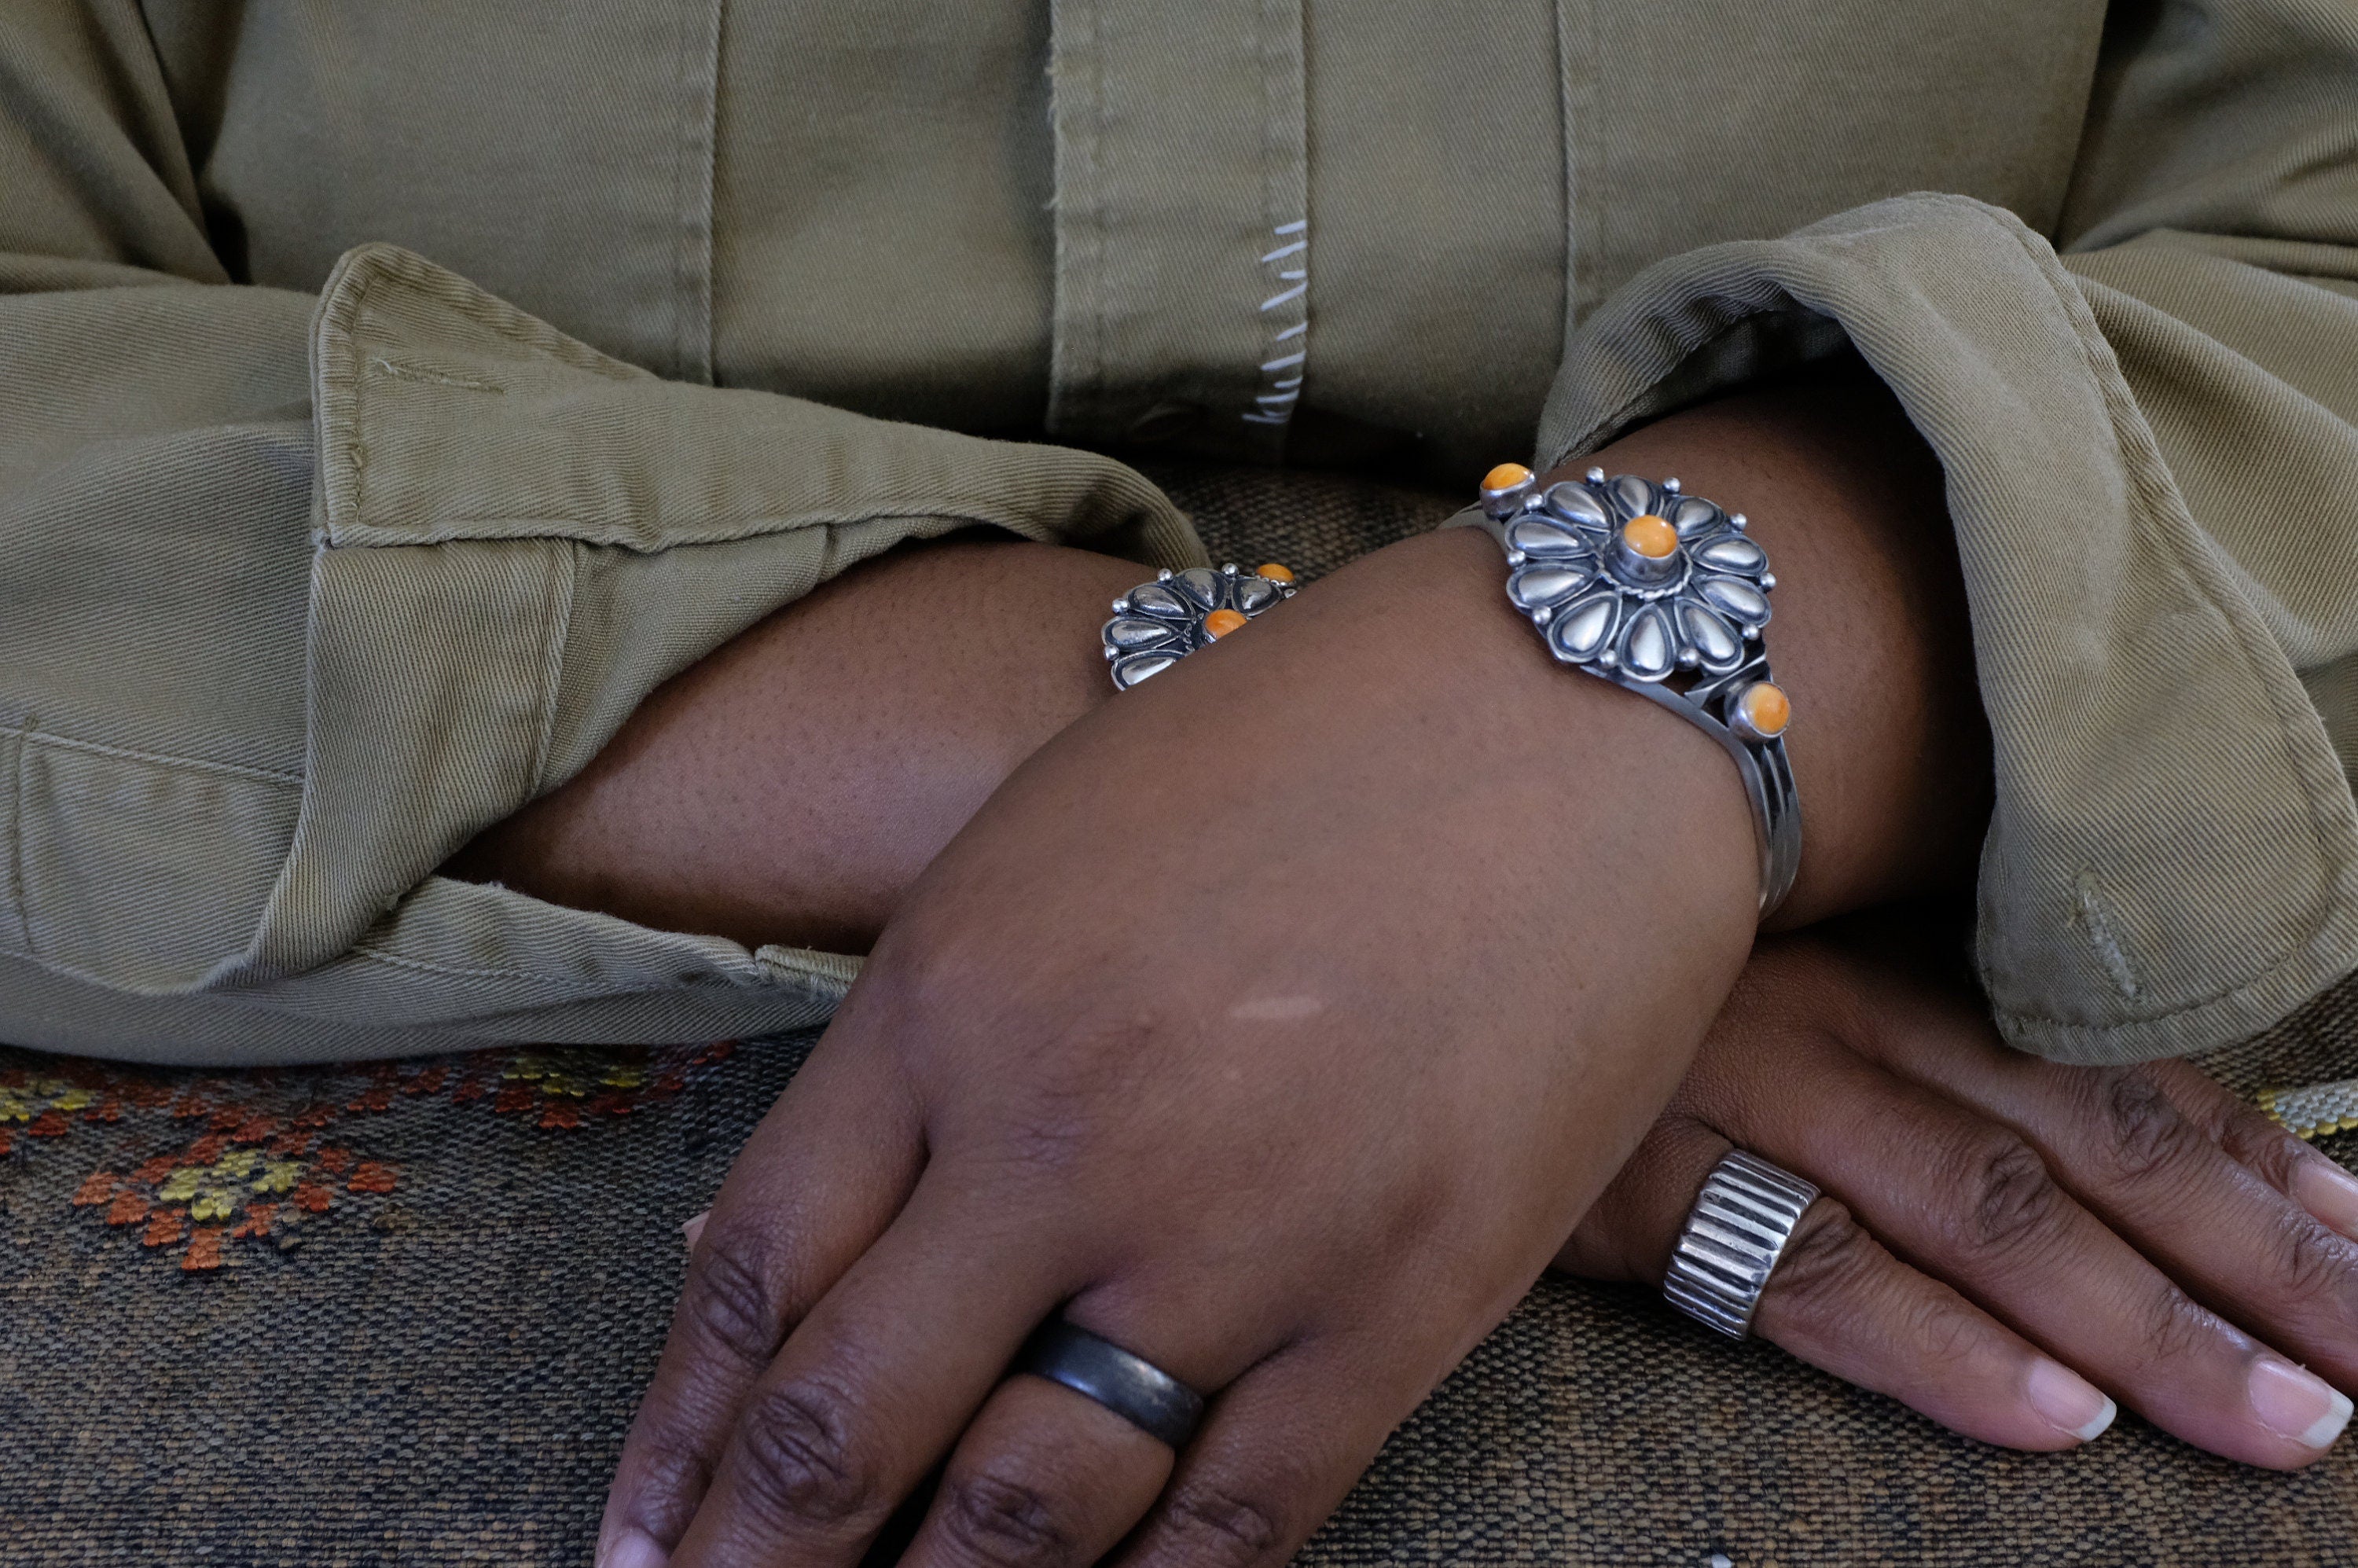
19, 919
35, 737
556, 640
695, 172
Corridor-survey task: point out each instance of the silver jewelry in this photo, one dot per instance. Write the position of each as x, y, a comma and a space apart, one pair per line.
1732, 1239
1665, 594
1158, 624
1136, 1390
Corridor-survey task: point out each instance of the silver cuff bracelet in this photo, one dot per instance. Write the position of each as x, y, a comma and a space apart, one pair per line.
1665, 594
1158, 624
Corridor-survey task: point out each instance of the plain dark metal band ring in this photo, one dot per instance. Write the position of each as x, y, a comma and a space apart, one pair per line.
1136, 1390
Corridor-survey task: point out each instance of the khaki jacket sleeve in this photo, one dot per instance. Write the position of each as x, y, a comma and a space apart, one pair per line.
302, 592
2149, 430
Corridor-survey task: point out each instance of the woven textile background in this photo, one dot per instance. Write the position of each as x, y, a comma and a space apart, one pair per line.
400, 1314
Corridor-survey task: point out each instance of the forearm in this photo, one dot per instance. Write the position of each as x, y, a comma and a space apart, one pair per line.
790, 788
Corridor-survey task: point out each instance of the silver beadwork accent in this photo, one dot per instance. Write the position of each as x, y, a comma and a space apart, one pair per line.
2314, 1110
1732, 1238
1684, 630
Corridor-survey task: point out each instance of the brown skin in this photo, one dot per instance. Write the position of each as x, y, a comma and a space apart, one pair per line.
1240, 1023
1279, 1020
790, 788
2140, 1224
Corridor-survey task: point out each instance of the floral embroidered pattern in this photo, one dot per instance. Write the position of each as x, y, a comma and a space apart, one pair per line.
254, 1157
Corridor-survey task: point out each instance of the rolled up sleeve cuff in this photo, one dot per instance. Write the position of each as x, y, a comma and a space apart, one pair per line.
515, 538
2172, 864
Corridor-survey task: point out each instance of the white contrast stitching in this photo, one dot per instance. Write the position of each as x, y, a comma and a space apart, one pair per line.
1281, 392
2105, 938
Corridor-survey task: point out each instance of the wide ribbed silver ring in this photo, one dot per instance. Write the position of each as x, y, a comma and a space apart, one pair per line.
1732, 1239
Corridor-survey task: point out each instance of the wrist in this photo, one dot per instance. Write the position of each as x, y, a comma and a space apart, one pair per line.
1869, 636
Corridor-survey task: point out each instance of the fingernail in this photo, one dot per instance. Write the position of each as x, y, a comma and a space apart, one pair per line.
2293, 1403
2066, 1399
2329, 1192
692, 1229
633, 1549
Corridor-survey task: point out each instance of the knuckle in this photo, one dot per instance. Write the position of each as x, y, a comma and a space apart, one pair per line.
1006, 1523
2176, 1329
2005, 1196
2144, 1134
1827, 1264
1841, 1279
728, 1300
800, 1459
2266, 1150
1224, 1529
2315, 1267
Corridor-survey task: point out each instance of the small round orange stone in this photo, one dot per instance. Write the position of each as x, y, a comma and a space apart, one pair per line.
1768, 707
1220, 622
1275, 572
1506, 476
1650, 536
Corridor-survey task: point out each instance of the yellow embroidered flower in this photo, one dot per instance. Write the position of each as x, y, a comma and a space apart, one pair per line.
278, 1176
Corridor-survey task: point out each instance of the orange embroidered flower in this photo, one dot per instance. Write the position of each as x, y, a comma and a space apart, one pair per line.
371, 1177
204, 1249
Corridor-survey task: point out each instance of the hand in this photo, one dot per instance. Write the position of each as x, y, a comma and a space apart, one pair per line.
1275, 1022
1236, 1030
2002, 1238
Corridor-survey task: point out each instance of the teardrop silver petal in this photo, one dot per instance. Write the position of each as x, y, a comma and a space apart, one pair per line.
1718, 647
1549, 584
1203, 585
1632, 493
1536, 536
1255, 594
1130, 634
1140, 667
1735, 597
1156, 599
1649, 648
1693, 516
1586, 629
1733, 553
1577, 503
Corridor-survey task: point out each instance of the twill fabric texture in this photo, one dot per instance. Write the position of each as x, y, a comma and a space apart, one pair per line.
392, 397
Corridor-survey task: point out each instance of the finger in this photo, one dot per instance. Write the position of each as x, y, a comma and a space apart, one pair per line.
2118, 1141
1044, 1478
1047, 1475
1841, 1303
1280, 1449
877, 1381
2264, 1146
822, 1176
1968, 1200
